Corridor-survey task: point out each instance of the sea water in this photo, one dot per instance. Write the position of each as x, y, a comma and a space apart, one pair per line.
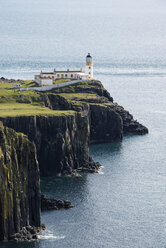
124, 206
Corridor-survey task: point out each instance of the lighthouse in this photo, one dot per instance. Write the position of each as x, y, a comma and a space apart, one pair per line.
48, 78
89, 67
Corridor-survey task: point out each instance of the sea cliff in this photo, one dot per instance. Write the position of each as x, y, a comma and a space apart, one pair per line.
62, 142
59, 125
79, 114
19, 187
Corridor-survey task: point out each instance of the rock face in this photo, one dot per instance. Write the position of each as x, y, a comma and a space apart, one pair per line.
62, 142
108, 120
106, 125
130, 126
19, 184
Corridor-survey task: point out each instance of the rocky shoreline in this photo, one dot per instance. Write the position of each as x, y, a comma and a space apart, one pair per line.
27, 234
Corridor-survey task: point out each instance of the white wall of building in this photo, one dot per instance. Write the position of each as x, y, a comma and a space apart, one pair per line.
89, 71
46, 81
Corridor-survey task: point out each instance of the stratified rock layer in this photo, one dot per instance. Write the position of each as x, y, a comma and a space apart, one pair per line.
19, 184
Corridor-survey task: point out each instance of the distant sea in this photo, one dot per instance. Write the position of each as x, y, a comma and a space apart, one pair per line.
124, 206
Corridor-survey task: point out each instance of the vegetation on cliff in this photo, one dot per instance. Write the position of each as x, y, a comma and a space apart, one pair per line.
19, 185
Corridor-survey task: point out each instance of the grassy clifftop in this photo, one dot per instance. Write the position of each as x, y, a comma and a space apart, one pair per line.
24, 103
66, 101
14, 102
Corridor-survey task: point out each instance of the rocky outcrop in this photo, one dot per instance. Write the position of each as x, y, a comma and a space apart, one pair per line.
19, 186
55, 102
62, 142
49, 203
106, 125
27, 233
130, 126
108, 120
91, 87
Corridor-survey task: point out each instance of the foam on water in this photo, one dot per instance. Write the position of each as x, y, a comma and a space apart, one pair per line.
101, 172
49, 235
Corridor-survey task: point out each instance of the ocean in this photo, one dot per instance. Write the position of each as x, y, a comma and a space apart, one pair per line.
124, 206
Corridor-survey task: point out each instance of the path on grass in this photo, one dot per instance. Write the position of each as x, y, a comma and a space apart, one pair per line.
55, 86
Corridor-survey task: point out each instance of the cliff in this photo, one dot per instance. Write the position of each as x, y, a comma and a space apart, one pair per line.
64, 121
19, 186
62, 142
108, 120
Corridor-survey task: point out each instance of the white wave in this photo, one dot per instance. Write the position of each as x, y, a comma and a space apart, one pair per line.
100, 172
49, 235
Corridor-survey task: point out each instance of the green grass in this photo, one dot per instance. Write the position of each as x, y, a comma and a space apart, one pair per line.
28, 84
17, 109
14, 102
9, 105
63, 80
78, 96
8, 94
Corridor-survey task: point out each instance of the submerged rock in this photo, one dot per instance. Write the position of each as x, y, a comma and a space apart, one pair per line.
53, 204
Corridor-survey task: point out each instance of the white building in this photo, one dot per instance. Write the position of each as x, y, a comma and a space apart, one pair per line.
47, 78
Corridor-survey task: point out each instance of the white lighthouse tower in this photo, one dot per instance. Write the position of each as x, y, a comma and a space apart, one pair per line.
89, 67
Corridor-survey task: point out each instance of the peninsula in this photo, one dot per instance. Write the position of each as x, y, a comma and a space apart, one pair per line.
51, 131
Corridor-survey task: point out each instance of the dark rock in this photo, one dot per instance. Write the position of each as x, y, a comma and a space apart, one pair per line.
130, 126
19, 185
28, 233
106, 125
62, 142
52, 204
23, 100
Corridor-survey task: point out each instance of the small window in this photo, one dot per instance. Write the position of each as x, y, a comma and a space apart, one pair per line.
89, 73
89, 67
66, 75
71, 75
57, 75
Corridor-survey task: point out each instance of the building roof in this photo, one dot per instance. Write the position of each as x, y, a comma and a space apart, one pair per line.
60, 72
47, 72
88, 56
